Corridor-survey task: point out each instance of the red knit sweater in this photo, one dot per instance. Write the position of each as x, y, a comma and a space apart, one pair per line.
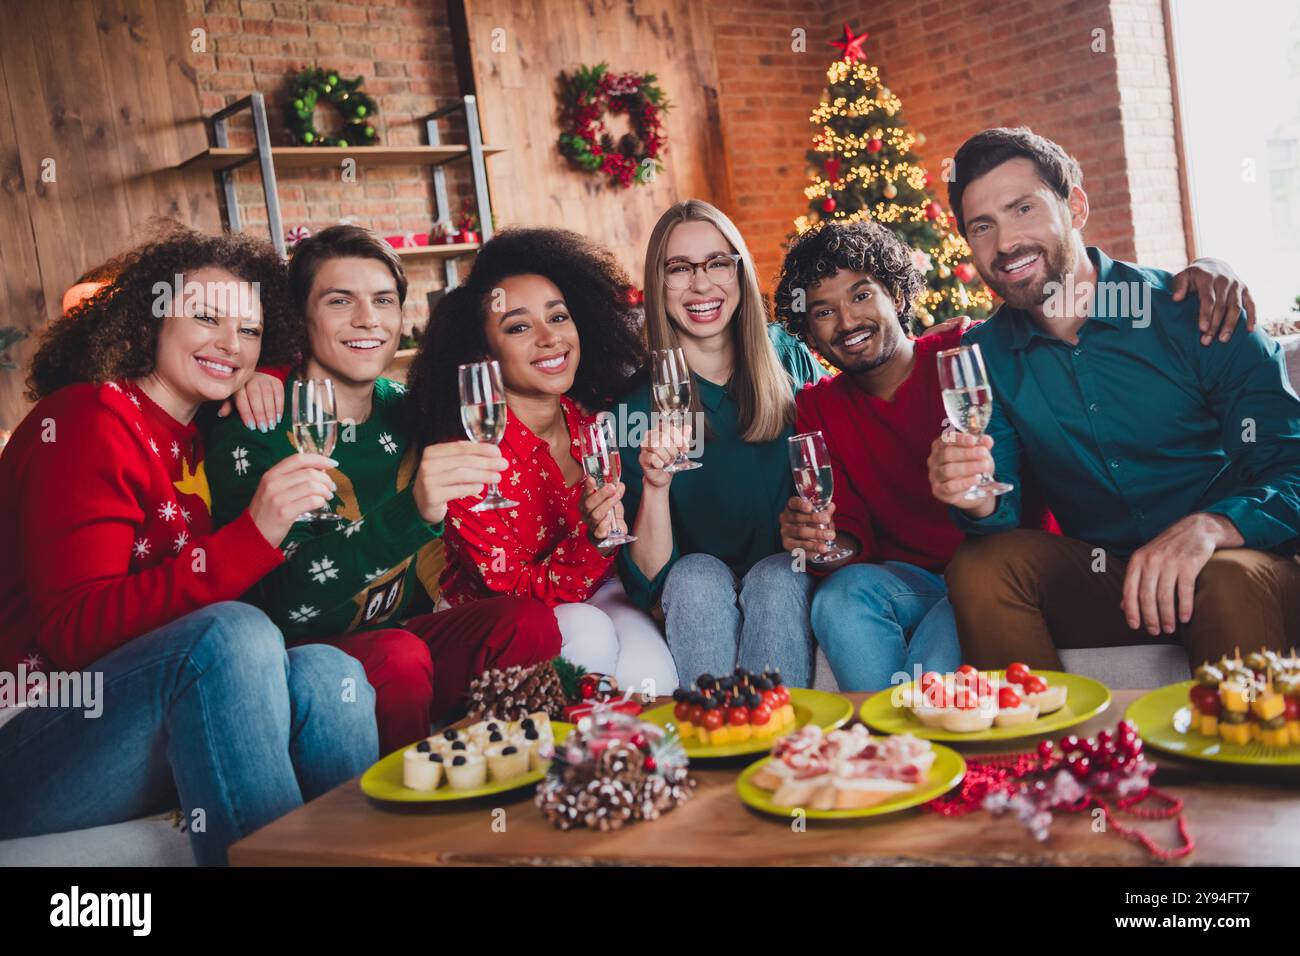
107, 528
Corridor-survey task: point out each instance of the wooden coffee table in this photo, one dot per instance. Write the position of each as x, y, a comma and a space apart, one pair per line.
1238, 817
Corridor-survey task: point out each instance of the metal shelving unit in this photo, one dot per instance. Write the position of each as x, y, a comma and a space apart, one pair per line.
223, 159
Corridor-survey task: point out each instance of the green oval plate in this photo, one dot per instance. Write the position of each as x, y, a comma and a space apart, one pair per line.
1163, 720
383, 781
1085, 698
827, 711
946, 773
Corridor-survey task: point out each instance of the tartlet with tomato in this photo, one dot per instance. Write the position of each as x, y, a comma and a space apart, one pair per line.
970, 700
733, 709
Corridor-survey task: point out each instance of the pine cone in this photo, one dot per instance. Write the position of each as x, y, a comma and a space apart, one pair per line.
515, 692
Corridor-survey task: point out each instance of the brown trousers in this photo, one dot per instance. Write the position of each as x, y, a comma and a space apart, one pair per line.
1020, 595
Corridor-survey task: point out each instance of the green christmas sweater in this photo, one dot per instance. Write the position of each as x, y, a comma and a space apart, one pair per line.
345, 576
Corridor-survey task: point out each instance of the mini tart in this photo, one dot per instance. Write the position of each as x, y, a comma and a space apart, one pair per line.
1014, 716
539, 720
421, 769
1049, 700
966, 721
931, 716
481, 732
466, 771
505, 761
532, 746
461, 746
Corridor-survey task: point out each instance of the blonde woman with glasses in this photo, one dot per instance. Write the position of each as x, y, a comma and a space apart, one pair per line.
708, 554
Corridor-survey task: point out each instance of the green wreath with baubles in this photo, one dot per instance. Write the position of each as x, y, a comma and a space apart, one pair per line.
315, 86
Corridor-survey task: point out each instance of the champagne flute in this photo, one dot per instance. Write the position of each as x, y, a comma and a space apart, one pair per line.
670, 380
601, 461
315, 429
483, 413
814, 482
968, 398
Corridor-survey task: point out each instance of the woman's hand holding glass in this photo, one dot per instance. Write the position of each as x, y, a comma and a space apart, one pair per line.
662, 445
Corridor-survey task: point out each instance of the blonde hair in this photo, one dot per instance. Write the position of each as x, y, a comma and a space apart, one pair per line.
763, 390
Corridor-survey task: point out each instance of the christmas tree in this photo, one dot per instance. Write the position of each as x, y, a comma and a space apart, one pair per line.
862, 167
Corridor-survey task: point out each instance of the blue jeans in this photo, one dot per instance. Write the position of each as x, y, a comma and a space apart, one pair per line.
876, 620
209, 711
714, 622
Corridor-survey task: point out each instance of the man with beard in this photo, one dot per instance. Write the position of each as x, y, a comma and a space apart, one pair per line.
848, 289
1173, 469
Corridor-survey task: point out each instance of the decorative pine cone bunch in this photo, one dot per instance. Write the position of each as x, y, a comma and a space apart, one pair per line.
614, 770
515, 692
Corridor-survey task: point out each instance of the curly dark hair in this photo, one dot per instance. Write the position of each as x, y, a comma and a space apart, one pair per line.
114, 333
594, 287
827, 248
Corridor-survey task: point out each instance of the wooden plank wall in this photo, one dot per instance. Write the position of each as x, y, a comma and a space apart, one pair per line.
518, 89
104, 88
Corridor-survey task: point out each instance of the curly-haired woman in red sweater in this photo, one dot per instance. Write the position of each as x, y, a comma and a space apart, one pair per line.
112, 570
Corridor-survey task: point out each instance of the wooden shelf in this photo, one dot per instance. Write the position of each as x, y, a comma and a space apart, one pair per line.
218, 158
448, 250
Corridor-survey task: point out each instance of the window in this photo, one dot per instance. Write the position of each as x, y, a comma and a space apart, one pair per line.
1239, 91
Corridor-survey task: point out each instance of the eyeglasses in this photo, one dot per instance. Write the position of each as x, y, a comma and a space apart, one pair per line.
721, 269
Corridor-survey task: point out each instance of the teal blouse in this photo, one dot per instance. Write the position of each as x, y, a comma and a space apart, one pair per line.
730, 507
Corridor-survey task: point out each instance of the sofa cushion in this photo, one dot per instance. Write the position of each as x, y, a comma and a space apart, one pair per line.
149, 841
1138, 667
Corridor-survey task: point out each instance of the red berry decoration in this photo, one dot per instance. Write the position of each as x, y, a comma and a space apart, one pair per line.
828, 204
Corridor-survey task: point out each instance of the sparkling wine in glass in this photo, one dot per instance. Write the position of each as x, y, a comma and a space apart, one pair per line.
483, 413
315, 429
670, 384
600, 460
814, 482
968, 399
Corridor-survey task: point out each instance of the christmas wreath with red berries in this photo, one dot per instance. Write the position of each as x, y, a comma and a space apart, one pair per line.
592, 92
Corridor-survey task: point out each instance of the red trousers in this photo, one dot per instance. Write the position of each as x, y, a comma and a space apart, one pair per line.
422, 670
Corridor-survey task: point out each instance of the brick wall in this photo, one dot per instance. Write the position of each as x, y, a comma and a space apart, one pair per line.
766, 89
1147, 116
404, 50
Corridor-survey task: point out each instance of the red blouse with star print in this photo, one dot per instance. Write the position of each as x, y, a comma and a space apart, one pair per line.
539, 549
107, 528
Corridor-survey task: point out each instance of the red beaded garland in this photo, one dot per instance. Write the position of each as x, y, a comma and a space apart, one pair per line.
1091, 762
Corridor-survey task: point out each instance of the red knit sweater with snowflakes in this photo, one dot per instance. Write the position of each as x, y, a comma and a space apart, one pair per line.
107, 528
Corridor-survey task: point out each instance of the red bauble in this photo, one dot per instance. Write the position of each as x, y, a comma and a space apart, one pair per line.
833, 167
926, 179
965, 272
828, 205
875, 145
933, 210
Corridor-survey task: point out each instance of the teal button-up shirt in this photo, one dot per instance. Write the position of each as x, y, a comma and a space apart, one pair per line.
1138, 425
729, 508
